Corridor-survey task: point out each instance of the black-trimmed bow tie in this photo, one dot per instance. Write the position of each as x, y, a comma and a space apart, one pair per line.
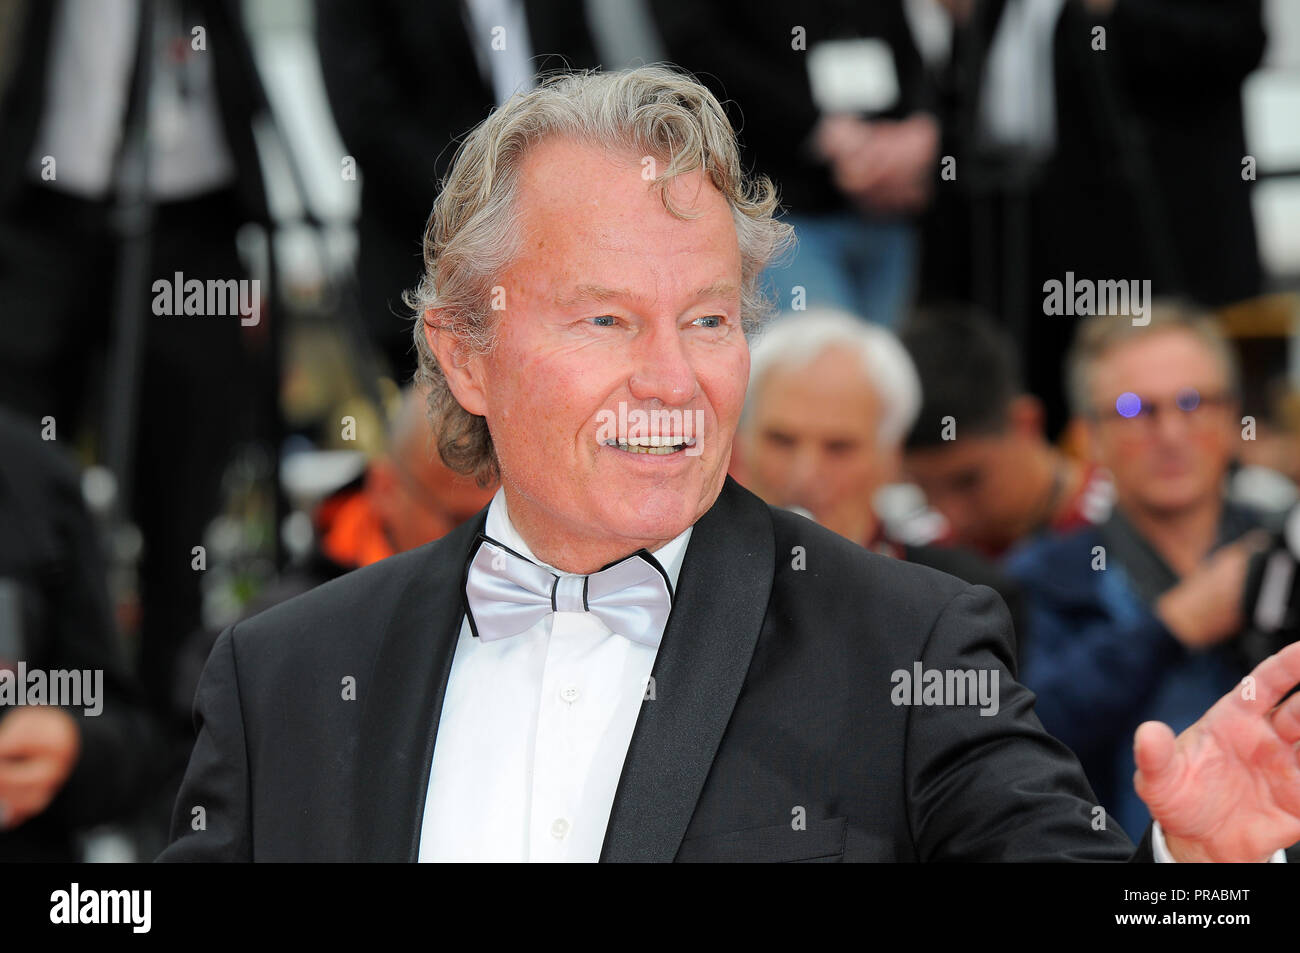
506, 594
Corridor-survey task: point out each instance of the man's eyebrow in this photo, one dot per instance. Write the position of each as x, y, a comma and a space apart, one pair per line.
719, 289
584, 294
594, 294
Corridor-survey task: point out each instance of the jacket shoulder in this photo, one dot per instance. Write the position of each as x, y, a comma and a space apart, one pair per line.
832, 560
351, 610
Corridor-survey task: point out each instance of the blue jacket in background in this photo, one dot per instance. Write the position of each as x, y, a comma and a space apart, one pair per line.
1101, 662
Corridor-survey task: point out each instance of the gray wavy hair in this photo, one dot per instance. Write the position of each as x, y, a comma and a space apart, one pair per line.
472, 235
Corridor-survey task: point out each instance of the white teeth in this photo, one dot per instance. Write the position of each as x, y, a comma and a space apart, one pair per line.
664, 441
655, 445
658, 451
644, 447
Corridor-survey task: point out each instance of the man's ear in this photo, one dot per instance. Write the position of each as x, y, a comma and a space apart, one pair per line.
462, 369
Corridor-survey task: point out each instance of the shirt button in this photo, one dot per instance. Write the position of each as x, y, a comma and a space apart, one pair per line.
570, 694
559, 828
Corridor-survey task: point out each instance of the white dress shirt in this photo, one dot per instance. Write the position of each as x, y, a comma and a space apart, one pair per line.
534, 730
1017, 97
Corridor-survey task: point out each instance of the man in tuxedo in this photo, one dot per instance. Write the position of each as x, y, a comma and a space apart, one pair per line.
628, 656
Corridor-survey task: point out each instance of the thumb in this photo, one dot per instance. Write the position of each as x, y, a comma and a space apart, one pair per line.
1153, 750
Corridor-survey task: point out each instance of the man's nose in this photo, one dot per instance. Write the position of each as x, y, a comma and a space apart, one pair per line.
806, 477
1172, 425
662, 368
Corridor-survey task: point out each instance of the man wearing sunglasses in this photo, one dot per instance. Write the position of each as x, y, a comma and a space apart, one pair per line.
1134, 619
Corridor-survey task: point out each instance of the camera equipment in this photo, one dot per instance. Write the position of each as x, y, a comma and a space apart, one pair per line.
1271, 599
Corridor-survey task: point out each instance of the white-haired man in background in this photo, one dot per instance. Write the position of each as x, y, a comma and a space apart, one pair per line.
626, 655
831, 398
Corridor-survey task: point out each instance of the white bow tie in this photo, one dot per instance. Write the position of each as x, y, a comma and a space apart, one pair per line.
506, 594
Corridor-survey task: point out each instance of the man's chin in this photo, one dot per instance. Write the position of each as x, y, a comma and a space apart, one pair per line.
656, 523
660, 512
1172, 497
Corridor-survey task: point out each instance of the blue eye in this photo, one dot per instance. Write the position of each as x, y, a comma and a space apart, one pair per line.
602, 319
715, 318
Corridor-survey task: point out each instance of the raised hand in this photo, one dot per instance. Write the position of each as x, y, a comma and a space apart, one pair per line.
1228, 788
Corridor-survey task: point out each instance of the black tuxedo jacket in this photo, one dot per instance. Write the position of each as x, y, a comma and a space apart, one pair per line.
771, 735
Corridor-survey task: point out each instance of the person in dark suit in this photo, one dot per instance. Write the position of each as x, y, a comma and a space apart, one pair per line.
64, 767
628, 656
70, 97
1139, 146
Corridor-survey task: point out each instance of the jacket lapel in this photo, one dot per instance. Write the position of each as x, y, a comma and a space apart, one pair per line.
403, 702
721, 600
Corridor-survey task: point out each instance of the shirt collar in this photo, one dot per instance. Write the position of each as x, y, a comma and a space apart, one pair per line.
500, 528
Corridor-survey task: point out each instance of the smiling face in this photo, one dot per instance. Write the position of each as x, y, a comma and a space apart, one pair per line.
611, 300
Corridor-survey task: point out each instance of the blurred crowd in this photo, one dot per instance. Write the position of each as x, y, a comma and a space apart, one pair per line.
1117, 457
